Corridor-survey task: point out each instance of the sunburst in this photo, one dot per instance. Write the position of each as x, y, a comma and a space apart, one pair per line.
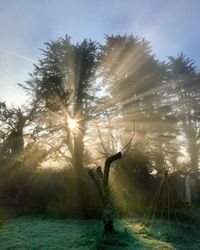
72, 123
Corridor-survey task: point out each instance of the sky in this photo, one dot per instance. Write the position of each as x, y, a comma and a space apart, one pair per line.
171, 26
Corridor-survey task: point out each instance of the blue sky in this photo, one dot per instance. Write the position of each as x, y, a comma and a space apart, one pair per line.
172, 26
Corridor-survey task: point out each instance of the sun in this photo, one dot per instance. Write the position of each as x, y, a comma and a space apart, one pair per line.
72, 123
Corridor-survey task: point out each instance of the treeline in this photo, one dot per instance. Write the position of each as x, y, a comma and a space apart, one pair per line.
85, 102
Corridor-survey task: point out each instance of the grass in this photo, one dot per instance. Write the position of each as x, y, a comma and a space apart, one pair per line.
44, 233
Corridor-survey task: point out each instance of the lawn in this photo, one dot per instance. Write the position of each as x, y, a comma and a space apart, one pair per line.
44, 233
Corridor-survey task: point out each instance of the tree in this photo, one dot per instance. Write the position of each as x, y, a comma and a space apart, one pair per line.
64, 83
136, 82
17, 136
12, 125
184, 97
101, 178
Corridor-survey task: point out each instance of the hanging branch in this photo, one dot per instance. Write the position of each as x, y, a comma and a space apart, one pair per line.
109, 130
127, 146
102, 144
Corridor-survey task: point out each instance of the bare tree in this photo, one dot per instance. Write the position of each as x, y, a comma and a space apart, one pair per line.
101, 179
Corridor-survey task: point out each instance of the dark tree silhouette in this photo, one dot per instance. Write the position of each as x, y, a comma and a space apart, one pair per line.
101, 179
12, 141
136, 81
64, 82
184, 97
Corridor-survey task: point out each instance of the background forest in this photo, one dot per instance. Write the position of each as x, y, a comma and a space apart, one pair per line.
88, 101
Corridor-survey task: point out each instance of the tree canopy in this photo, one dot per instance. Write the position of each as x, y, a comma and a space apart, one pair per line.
82, 89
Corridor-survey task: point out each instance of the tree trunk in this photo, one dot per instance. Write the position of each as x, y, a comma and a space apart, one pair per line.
108, 208
78, 151
108, 213
194, 156
77, 161
193, 150
101, 180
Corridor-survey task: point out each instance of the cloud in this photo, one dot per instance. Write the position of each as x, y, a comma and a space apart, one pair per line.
18, 56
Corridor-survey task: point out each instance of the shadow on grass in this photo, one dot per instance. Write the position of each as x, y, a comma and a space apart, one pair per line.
120, 239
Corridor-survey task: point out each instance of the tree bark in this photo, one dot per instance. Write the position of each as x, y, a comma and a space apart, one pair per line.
108, 207
101, 180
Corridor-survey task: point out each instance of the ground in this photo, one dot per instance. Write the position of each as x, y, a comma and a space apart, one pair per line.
44, 233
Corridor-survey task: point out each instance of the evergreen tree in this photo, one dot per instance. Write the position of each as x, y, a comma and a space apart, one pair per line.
64, 83
136, 81
184, 96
